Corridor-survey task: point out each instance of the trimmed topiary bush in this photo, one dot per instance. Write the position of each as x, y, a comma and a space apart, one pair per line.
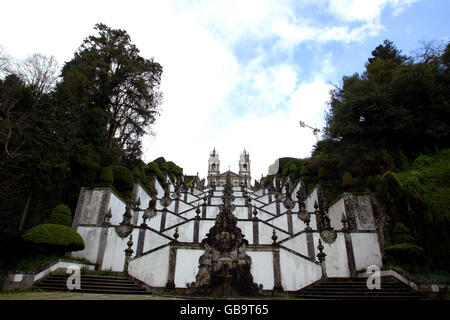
407, 255
61, 215
107, 175
54, 238
136, 172
347, 180
123, 178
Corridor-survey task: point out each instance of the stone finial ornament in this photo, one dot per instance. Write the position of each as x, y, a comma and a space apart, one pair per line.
197, 212
274, 237
255, 213
128, 252
125, 227
176, 235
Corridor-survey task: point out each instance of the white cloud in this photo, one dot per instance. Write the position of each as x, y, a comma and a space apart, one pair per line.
211, 97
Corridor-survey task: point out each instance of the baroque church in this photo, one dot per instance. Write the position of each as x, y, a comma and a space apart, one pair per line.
229, 237
218, 179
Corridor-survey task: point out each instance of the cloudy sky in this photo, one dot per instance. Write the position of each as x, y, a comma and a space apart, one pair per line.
237, 74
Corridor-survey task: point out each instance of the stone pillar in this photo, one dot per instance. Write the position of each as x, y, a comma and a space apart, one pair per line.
172, 264
289, 222
128, 252
141, 239
276, 268
204, 210
321, 256
163, 220
79, 209
350, 254
106, 196
102, 248
310, 244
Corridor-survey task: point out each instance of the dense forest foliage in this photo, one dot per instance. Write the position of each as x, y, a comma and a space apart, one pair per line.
387, 131
79, 126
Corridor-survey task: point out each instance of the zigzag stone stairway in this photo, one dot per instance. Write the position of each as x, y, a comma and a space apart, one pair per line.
356, 289
93, 284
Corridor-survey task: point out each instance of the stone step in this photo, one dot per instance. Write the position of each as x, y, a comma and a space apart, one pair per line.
339, 288
94, 290
87, 280
359, 297
320, 289
93, 284
362, 286
364, 293
85, 285
92, 277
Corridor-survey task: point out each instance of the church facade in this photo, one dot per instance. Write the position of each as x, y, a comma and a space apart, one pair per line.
216, 178
273, 238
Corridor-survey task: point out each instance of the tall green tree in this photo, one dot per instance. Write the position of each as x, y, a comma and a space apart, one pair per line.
107, 72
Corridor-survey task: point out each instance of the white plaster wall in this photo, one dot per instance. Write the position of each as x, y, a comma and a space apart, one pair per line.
336, 260
265, 234
297, 272
91, 206
241, 212
247, 229
258, 193
190, 213
158, 188
335, 214
197, 202
262, 215
216, 201
264, 199
190, 197
172, 219
366, 250
155, 222
280, 222
153, 240
141, 194
298, 244
152, 268
114, 257
309, 202
183, 206
262, 268
186, 267
204, 227
91, 237
212, 212
185, 231
117, 207
272, 208
297, 224
238, 201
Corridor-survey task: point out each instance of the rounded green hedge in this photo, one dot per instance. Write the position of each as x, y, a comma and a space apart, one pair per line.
107, 175
62, 215
406, 254
347, 180
54, 237
123, 178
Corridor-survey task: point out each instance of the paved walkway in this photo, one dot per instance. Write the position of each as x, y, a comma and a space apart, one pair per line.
78, 296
